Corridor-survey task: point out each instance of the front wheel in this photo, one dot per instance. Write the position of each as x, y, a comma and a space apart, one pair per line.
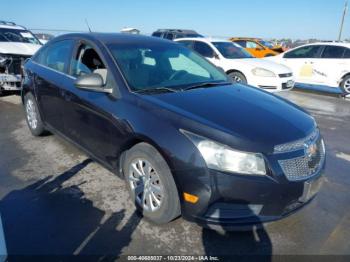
151, 184
345, 85
33, 118
238, 77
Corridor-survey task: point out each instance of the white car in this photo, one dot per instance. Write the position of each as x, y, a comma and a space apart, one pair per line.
240, 65
16, 45
326, 64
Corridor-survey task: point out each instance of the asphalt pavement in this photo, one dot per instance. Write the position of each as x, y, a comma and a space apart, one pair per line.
54, 200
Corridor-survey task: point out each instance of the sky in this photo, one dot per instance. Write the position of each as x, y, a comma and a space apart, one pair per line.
296, 19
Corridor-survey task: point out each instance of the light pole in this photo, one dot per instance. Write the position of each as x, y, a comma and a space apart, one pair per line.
342, 20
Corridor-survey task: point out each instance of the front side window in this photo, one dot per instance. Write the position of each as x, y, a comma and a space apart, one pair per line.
204, 49
169, 36
333, 52
56, 55
266, 43
19, 36
231, 50
311, 51
253, 45
172, 66
87, 61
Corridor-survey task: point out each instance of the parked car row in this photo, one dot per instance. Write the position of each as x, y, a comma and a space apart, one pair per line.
185, 138
16, 45
240, 66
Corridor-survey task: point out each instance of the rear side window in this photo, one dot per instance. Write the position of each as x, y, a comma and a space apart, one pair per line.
169, 36
311, 51
333, 52
347, 53
56, 56
203, 49
157, 34
188, 44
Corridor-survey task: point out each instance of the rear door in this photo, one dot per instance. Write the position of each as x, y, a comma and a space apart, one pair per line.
302, 62
328, 68
50, 71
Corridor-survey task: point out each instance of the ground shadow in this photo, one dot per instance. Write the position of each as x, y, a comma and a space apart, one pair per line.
248, 243
46, 218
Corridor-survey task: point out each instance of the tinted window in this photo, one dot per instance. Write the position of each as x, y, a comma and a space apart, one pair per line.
333, 52
153, 66
19, 36
311, 51
242, 43
231, 50
347, 53
169, 36
203, 49
188, 44
57, 55
157, 34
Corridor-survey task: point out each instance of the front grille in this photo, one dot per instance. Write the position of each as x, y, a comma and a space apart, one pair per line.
307, 165
14, 64
285, 75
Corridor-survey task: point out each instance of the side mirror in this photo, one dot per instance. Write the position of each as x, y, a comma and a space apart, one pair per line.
91, 82
216, 56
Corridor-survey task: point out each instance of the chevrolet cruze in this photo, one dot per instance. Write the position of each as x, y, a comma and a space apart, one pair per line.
185, 139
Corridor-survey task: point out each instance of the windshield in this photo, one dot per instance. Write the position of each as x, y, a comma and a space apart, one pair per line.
154, 65
265, 43
16, 35
231, 51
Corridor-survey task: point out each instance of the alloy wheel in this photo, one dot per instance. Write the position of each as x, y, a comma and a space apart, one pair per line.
146, 185
32, 116
347, 86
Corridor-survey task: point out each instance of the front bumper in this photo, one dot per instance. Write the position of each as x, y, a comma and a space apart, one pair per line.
240, 202
273, 84
9, 82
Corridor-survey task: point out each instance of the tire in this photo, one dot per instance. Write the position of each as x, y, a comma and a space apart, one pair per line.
345, 85
34, 122
238, 77
164, 205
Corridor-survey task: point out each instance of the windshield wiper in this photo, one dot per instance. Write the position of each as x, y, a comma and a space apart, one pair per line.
156, 90
206, 84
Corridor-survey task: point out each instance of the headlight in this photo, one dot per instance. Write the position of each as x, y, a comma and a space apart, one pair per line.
263, 72
223, 158
3, 60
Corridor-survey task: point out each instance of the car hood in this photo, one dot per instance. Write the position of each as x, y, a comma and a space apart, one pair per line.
266, 64
18, 48
254, 120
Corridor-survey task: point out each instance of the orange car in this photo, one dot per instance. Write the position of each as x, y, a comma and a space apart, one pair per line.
258, 47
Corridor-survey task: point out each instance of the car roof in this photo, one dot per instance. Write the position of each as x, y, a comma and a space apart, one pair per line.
109, 38
246, 38
329, 44
185, 31
11, 25
203, 39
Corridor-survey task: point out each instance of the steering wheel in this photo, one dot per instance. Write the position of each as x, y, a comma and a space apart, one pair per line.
177, 74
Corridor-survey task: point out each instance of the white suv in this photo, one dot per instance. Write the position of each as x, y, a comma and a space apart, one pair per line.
240, 65
16, 45
326, 64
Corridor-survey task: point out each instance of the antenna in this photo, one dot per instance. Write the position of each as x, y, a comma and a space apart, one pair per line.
343, 20
87, 24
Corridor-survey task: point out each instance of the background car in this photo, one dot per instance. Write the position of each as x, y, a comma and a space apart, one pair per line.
185, 139
258, 47
321, 63
16, 45
172, 34
240, 65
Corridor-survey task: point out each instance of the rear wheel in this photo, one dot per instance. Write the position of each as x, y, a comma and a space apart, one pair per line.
33, 118
345, 85
238, 77
151, 184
